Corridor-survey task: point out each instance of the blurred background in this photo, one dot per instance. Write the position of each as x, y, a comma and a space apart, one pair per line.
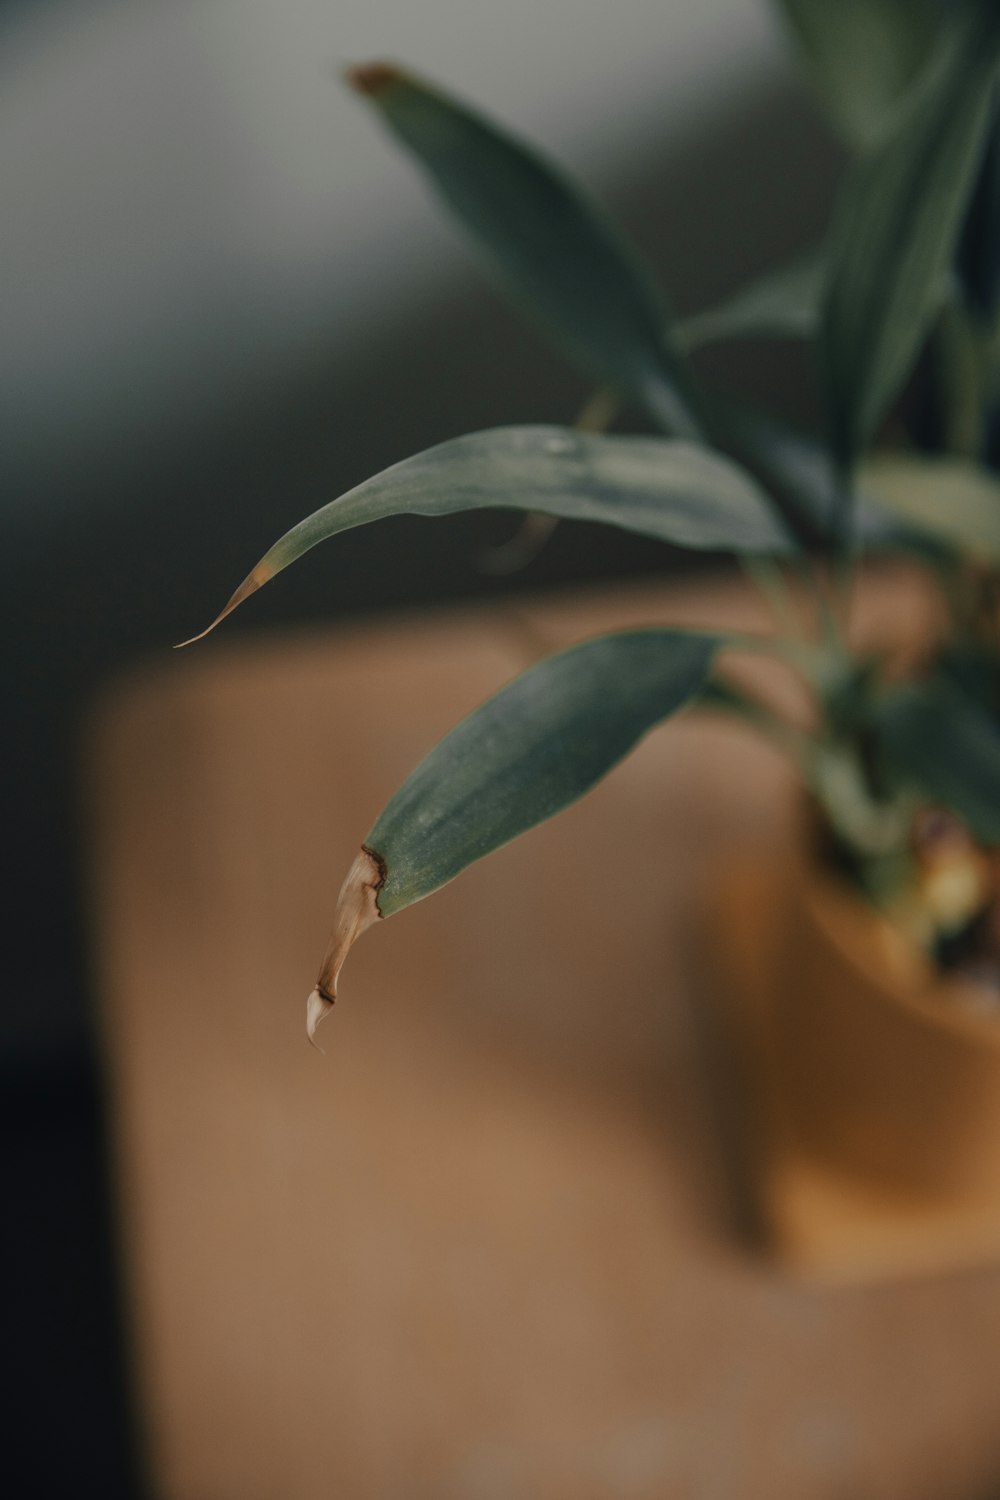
226, 299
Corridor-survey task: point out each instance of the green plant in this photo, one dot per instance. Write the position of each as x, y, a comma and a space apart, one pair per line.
906, 773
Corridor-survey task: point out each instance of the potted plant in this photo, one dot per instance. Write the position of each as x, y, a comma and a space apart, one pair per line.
878, 963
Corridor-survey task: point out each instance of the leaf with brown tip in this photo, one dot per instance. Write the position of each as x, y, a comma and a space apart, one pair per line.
555, 253
357, 910
664, 488
522, 756
255, 580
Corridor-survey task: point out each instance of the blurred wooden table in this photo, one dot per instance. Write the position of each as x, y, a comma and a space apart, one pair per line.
482, 1248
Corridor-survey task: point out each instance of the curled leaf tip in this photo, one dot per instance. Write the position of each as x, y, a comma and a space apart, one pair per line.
357, 910
250, 585
318, 1007
373, 78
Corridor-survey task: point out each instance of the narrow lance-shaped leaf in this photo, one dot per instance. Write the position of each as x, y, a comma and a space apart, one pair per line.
662, 487
554, 252
895, 233
862, 54
948, 746
785, 304
525, 754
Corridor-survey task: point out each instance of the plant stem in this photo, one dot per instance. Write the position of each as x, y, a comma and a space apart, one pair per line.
598, 411
770, 582
796, 743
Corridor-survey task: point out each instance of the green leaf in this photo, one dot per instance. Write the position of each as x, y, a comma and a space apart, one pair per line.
784, 304
894, 236
528, 752
798, 471
948, 499
660, 487
553, 251
978, 262
862, 55
948, 747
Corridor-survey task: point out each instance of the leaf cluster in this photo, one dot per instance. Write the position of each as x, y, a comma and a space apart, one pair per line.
909, 270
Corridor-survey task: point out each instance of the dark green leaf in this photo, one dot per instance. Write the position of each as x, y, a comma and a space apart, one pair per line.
797, 469
785, 304
948, 747
530, 751
971, 666
862, 55
661, 487
554, 252
896, 228
525, 754
978, 263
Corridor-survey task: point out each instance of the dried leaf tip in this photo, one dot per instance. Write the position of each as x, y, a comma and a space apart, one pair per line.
373, 78
250, 585
357, 910
318, 1007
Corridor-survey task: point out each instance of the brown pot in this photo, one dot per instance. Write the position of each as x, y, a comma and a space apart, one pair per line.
873, 1086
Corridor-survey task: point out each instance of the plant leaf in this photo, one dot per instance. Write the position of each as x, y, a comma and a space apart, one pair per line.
798, 470
784, 304
553, 251
536, 746
862, 55
949, 499
948, 746
895, 232
978, 262
661, 487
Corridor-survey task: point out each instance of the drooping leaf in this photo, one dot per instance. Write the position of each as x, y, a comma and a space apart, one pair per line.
784, 304
862, 55
530, 751
951, 500
661, 487
896, 227
524, 755
948, 746
553, 251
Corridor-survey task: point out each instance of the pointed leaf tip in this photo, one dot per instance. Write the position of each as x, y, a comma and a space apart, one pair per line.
357, 910
530, 223
372, 79
318, 1007
250, 585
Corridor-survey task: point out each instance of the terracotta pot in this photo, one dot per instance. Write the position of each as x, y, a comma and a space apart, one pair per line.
872, 1085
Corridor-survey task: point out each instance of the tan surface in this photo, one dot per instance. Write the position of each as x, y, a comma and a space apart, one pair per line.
480, 1249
